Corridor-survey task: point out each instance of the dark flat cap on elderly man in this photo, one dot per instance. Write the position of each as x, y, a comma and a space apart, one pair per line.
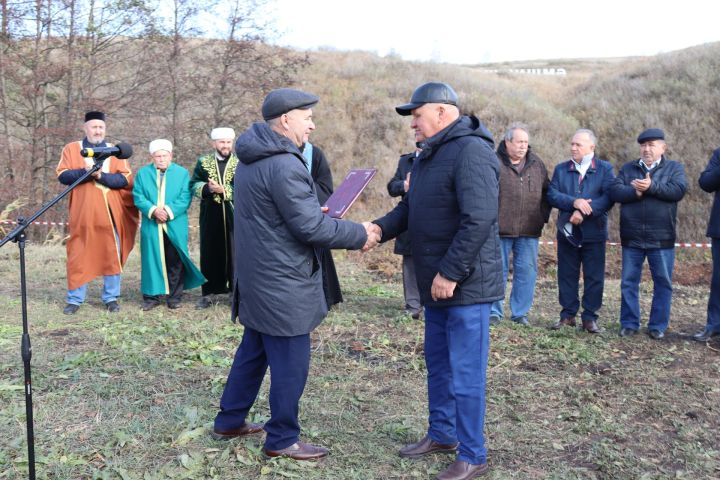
432, 92
651, 134
282, 100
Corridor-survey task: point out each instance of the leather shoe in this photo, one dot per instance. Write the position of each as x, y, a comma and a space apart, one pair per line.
241, 431
173, 305
627, 332
425, 446
70, 309
204, 302
656, 334
460, 470
564, 322
299, 451
705, 335
590, 326
112, 307
521, 321
149, 305
495, 320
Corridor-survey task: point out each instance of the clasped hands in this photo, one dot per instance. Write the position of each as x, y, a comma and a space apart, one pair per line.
582, 209
161, 215
641, 185
215, 187
374, 234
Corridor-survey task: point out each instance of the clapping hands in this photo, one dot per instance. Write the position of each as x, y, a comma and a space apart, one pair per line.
374, 234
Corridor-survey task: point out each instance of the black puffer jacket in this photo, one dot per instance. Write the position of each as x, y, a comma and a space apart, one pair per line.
451, 214
649, 221
710, 182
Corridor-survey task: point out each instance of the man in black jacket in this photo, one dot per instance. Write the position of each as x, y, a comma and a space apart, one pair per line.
278, 291
450, 212
649, 190
398, 187
710, 182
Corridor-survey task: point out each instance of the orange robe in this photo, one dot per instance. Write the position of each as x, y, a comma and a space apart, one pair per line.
92, 249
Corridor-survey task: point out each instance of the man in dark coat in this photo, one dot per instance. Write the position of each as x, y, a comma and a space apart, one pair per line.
398, 187
320, 172
277, 293
212, 183
710, 182
648, 190
523, 211
450, 212
580, 190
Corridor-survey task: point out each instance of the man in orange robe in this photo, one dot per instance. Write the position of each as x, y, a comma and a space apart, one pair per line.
103, 219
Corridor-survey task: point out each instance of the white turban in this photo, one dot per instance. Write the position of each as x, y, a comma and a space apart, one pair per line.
160, 144
222, 133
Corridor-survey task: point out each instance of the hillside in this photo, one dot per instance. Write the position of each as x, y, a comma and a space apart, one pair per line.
617, 98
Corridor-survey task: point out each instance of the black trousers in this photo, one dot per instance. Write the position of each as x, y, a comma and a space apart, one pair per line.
175, 273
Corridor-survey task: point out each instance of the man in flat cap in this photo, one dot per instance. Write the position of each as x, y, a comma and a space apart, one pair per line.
162, 194
648, 190
451, 214
103, 219
278, 292
212, 183
580, 190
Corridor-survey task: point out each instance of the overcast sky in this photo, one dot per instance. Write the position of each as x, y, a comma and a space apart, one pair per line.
463, 31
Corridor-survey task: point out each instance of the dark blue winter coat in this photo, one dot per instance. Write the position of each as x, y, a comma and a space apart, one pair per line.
278, 230
566, 187
649, 221
451, 213
710, 182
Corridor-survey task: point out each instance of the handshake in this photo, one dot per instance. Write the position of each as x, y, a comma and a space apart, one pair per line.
374, 234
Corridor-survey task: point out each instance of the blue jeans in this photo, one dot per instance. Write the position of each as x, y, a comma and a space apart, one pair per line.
110, 293
661, 261
713, 309
289, 362
524, 252
591, 256
457, 341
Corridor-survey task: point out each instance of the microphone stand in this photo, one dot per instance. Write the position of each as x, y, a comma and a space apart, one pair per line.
18, 235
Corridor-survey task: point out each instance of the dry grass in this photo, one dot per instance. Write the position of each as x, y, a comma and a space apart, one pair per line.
132, 396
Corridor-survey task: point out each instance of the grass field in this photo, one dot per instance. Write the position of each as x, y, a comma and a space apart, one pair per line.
132, 395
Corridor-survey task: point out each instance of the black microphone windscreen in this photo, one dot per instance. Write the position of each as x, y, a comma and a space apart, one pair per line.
126, 150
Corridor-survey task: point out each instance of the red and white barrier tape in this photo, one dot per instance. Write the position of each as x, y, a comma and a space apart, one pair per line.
542, 242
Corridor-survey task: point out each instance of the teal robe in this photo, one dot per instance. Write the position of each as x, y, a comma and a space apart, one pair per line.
174, 194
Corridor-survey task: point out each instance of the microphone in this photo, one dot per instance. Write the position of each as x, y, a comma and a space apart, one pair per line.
121, 150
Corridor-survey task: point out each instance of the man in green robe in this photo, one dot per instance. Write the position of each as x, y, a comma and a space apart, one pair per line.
212, 183
162, 194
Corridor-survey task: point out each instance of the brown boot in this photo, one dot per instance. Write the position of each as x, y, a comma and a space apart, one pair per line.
425, 446
564, 322
460, 470
591, 326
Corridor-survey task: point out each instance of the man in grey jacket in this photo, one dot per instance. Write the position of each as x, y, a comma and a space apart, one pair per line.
278, 293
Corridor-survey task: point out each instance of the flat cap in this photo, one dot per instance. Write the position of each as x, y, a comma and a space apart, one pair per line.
651, 134
283, 100
94, 116
572, 233
160, 144
432, 92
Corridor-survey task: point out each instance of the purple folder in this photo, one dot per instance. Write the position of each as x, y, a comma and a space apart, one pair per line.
349, 190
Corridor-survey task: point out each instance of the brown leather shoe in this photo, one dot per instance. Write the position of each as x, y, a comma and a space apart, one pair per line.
564, 322
461, 470
299, 451
242, 431
591, 326
425, 446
